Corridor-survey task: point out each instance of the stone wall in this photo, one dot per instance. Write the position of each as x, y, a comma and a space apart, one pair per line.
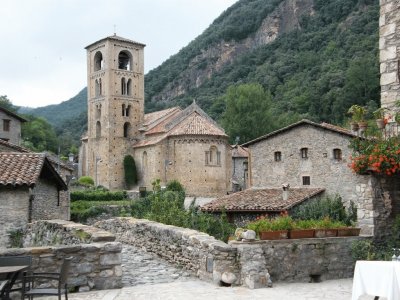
14, 203
95, 264
389, 52
245, 263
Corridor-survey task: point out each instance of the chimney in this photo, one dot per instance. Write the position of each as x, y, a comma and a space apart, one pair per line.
285, 193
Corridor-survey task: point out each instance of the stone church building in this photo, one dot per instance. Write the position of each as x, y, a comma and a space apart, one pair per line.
186, 145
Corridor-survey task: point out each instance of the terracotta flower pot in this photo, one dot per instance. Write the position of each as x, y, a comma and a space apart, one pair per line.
301, 233
274, 235
363, 126
354, 126
348, 231
322, 233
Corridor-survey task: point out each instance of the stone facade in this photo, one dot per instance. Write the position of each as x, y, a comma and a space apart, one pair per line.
166, 145
251, 264
10, 126
96, 264
389, 52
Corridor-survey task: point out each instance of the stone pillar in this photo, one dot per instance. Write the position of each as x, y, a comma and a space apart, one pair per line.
389, 52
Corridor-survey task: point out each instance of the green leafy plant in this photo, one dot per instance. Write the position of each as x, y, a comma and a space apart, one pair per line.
304, 224
98, 195
357, 113
379, 113
86, 180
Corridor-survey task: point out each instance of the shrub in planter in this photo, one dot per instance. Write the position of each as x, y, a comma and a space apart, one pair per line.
272, 229
302, 229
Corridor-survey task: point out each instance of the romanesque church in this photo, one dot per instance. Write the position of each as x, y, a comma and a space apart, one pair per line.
181, 144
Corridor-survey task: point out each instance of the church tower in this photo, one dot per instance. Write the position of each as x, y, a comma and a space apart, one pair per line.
115, 81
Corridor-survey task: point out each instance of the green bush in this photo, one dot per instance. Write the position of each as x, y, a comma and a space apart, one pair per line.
326, 207
130, 171
98, 195
86, 180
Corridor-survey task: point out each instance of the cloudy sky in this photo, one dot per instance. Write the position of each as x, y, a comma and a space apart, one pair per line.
42, 56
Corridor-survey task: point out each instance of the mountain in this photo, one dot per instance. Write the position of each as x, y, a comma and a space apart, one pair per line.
315, 57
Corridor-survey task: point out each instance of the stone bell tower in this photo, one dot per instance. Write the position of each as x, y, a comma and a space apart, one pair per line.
115, 75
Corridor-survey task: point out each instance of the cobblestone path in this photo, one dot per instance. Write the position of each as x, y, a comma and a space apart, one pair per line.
140, 267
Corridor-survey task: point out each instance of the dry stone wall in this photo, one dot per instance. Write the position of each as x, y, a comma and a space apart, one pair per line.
250, 264
96, 257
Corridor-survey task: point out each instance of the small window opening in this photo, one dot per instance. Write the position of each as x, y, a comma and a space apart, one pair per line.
98, 61
278, 156
100, 88
98, 111
337, 154
123, 110
96, 88
6, 125
129, 87
304, 152
213, 157
127, 127
306, 180
98, 129
127, 111
123, 86
124, 61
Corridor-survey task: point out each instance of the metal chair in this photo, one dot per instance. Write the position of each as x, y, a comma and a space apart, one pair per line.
15, 283
39, 278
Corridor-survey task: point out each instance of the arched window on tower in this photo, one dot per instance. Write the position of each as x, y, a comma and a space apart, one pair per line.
98, 129
123, 86
98, 61
129, 87
124, 60
127, 111
123, 110
96, 88
127, 129
98, 111
100, 88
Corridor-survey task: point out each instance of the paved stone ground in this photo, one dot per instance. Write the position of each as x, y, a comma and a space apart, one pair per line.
141, 267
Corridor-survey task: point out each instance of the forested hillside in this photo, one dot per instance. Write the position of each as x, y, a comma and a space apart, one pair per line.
307, 58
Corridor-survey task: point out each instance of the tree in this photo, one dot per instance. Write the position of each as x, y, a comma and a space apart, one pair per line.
130, 171
6, 103
38, 135
247, 113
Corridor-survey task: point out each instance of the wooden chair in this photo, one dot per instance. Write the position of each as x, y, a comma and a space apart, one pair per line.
16, 283
39, 278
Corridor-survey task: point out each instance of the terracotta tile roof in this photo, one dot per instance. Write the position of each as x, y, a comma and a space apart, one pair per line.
20, 168
239, 152
326, 126
195, 124
154, 116
17, 169
14, 147
159, 127
149, 141
261, 200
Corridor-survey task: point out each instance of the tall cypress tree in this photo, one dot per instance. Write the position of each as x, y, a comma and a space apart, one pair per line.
130, 171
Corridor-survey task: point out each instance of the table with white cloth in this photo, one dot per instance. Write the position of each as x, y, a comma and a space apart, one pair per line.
377, 278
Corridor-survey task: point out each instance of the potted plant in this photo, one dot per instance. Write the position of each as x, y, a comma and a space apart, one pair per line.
379, 115
276, 229
344, 230
325, 228
302, 229
357, 117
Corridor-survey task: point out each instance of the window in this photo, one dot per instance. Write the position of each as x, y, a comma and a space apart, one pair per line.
144, 161
96, 88
337, 154
129, 87
123, 86
98, 130
306, 180
213, 157
98, 61
6, 125
278, 156
127, 111
98, 111
124, 60
304, 152
245, 165
123, 110
127, 128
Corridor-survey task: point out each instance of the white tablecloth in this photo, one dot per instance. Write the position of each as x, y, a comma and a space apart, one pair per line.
377, 278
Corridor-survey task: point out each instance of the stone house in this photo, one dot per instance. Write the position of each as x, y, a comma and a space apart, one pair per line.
247, 205
10, 127
186, 145
29, 190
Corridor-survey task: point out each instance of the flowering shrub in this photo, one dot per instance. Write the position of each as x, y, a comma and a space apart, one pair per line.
381, 156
